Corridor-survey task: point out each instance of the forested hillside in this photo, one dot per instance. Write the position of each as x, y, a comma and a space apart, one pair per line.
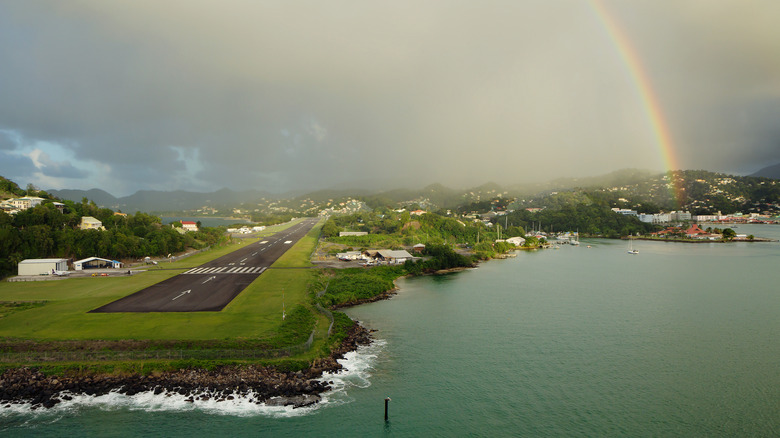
45, 231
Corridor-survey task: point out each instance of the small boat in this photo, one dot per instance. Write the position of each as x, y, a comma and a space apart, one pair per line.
631, 249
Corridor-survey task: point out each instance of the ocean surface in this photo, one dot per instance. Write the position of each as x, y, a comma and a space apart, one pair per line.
679, 340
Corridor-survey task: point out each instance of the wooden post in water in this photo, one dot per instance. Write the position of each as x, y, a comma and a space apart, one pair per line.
387, 400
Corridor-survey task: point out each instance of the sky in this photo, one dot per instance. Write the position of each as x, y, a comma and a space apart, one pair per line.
306, 95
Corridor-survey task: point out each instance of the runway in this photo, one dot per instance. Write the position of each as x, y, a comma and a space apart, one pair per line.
211, 286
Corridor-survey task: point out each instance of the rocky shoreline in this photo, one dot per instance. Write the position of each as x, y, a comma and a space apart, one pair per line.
260, 385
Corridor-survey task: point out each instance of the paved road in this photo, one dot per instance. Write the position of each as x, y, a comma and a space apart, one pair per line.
211, 286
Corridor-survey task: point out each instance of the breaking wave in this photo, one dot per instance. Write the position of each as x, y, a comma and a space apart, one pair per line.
356, 373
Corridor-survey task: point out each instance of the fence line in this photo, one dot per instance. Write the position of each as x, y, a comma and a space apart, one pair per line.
327, 312
82, 356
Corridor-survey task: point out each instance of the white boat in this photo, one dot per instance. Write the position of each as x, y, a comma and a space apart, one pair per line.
631, 249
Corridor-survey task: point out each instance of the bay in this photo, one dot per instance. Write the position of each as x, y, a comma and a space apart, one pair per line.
679, 340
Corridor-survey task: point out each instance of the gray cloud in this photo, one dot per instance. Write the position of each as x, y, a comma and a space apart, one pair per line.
7, 140
16, 168
285, 95
55, 169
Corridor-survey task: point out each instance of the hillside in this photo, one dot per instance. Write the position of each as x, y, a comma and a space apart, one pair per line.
769, 172
162, 201
702, 192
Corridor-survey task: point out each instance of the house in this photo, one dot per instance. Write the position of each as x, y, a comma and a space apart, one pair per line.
419, 248
417, 212
517, 241
668, 231
42, 266
8, 207
189, 226
119, 213
26, 202
625, 211
90, 223
694, 231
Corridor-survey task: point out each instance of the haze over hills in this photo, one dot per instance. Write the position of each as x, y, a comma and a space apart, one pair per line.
640, 184
152, 200
768, 172
438, 194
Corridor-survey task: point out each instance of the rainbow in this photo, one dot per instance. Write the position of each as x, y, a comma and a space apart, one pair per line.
653, 109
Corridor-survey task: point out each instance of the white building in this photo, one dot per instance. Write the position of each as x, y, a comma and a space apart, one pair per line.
352, 233
394, 256
26, 202
96, 262
90, 223
42, 266
517, 241
350, 255
8, 207
189, 226
625, 212
680, 215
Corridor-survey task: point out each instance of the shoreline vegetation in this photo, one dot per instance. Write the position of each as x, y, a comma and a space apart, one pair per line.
684, 240
291, 381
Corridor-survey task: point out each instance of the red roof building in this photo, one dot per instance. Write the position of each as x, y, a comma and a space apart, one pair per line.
694, 231
189, 226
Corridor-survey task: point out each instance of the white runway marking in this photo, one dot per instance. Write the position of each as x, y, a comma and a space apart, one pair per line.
227, 270
185, 292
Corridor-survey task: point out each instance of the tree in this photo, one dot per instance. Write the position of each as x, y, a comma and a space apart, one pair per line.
729, 234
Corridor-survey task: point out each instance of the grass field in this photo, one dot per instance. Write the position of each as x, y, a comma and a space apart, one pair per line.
255, 313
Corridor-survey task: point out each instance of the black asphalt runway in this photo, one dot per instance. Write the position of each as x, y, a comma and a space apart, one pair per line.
211, 286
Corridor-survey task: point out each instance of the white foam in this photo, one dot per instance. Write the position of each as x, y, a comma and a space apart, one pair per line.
357, 368
356, 373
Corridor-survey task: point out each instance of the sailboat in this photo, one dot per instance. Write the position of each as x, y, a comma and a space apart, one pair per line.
631, 249
577, 241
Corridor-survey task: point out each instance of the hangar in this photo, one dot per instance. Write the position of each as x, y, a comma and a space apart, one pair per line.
96, 262
42, 266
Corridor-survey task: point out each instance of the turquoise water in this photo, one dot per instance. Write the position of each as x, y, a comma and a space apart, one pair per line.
680, 340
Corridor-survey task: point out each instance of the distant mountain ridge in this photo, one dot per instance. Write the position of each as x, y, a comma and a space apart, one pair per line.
437, 194
153, 200
643, 184
768, 172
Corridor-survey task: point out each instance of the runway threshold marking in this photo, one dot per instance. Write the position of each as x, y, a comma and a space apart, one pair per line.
226, 270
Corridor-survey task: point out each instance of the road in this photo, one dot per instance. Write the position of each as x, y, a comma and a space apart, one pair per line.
211, 286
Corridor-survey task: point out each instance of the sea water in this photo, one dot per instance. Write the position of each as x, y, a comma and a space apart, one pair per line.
679, 340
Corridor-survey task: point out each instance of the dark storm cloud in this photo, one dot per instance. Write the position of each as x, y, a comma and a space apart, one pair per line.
7, 141
283, 95
16, 168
